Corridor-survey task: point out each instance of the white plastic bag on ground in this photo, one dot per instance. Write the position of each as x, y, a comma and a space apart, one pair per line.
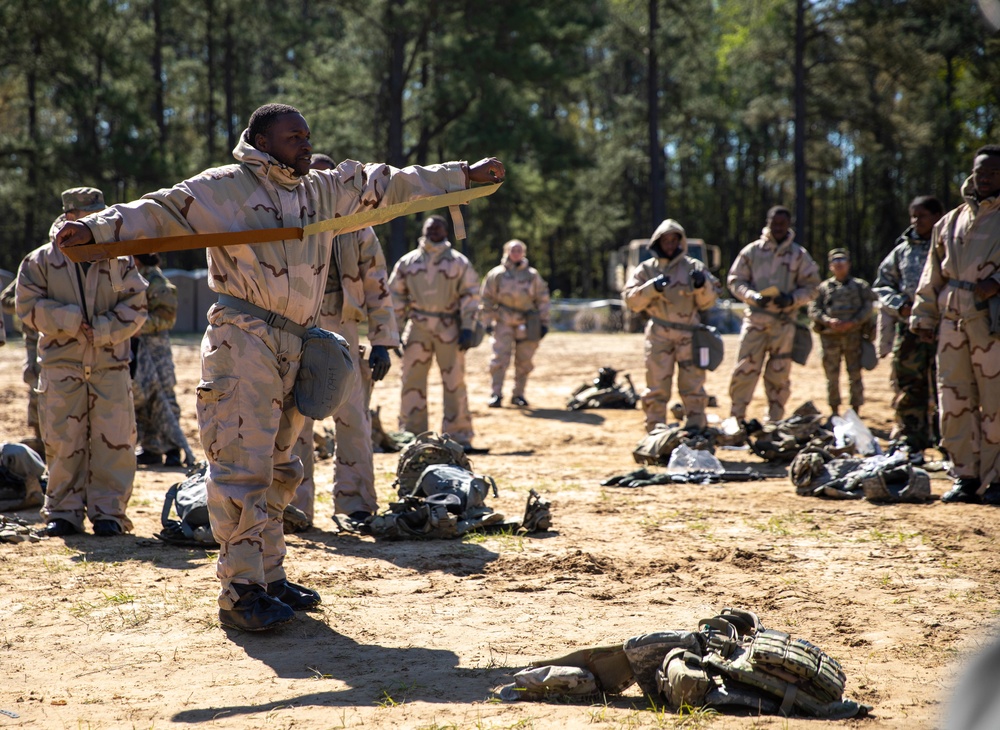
685, 459
851, 425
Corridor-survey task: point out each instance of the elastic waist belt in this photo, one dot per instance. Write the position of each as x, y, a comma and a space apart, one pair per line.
676, 325
270, 318
958, 284
442, 315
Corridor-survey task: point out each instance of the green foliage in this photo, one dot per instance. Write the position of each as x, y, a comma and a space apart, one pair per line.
140, 95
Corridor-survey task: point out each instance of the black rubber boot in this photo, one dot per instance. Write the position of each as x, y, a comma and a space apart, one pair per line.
255, 610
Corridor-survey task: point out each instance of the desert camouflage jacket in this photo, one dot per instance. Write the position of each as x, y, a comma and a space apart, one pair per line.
55, 297
679, 302
510, 290
432, 279
357, 287
965, 248
161, 301
766, 263
848, 301
287, 277
899, 272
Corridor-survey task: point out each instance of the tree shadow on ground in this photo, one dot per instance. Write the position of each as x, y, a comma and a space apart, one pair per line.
309, 648
584, 417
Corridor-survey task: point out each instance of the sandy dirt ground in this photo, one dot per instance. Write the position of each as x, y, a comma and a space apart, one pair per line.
123, 632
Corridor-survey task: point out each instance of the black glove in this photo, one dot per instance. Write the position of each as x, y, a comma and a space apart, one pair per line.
758, 300
489, 329
697, 278
545, 330
379, 362
660, 282
784, 300
465, 339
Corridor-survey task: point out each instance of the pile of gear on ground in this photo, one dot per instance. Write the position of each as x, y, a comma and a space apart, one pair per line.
731, 661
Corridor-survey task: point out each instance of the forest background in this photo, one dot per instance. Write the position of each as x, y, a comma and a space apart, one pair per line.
609, 114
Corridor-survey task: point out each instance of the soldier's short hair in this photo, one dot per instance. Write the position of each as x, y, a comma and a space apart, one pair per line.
438, 218
929, 203
320, 157
776, 209
148, 259
991, 150
264, 116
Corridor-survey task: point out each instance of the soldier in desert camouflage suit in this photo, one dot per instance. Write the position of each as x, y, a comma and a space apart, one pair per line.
510, 291
246, 414
435, 291
357, 290
961, 275
842, 314
672, 288
773, 260
913, 362
31, 367
155, 437
85, 315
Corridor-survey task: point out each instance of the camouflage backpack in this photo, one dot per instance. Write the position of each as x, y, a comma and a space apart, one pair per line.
657, 445
426, 449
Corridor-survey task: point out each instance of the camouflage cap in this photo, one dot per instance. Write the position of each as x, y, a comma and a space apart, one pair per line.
838, 254
83, 199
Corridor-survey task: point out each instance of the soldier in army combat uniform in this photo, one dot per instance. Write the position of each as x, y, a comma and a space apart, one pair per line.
435, 291
913, 366
774, 276
85, 315
672, 288
512, 293
246, 413
156, 441
956, 299
842, 314
31, 367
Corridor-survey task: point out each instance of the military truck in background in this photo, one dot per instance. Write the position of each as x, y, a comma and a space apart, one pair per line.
624, 261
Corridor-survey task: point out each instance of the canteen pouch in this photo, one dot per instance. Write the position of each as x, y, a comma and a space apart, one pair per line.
326, 374
707, 348
533, 326
802, 344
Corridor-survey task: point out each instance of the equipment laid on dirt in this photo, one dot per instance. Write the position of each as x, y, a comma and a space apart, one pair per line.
645, 478
816, 472
441, 497
22, 481
15, 530
657, 445
781, 440
604, 392
730, 661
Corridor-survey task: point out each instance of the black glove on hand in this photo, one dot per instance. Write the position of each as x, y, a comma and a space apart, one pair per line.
465, 339
660, 282
759, 300
697, 278
379, 362
545, 330
784, 300
489, 330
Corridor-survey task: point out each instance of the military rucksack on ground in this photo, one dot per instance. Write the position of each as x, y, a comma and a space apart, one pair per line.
22, 481
189, 500
657, 445
817, 473
604, 392
781, 441
425, 450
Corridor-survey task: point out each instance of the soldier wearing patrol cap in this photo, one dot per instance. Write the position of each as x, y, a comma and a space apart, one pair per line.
85, 315
842, 314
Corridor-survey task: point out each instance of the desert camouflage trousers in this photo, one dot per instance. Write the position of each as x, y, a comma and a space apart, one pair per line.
968, 361
248, 424
914, 373
30, 373
505, 343
353, 466
420, 347
846, 347
666, 348
88, 428
763, 337
155, 381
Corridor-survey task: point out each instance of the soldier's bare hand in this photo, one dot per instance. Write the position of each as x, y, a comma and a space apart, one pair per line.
73, 233
905, 310
487, 170
88, 332
986, 288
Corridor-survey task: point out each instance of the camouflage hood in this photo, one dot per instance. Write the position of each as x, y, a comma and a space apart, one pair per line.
667, 226
768, 239
264, 166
